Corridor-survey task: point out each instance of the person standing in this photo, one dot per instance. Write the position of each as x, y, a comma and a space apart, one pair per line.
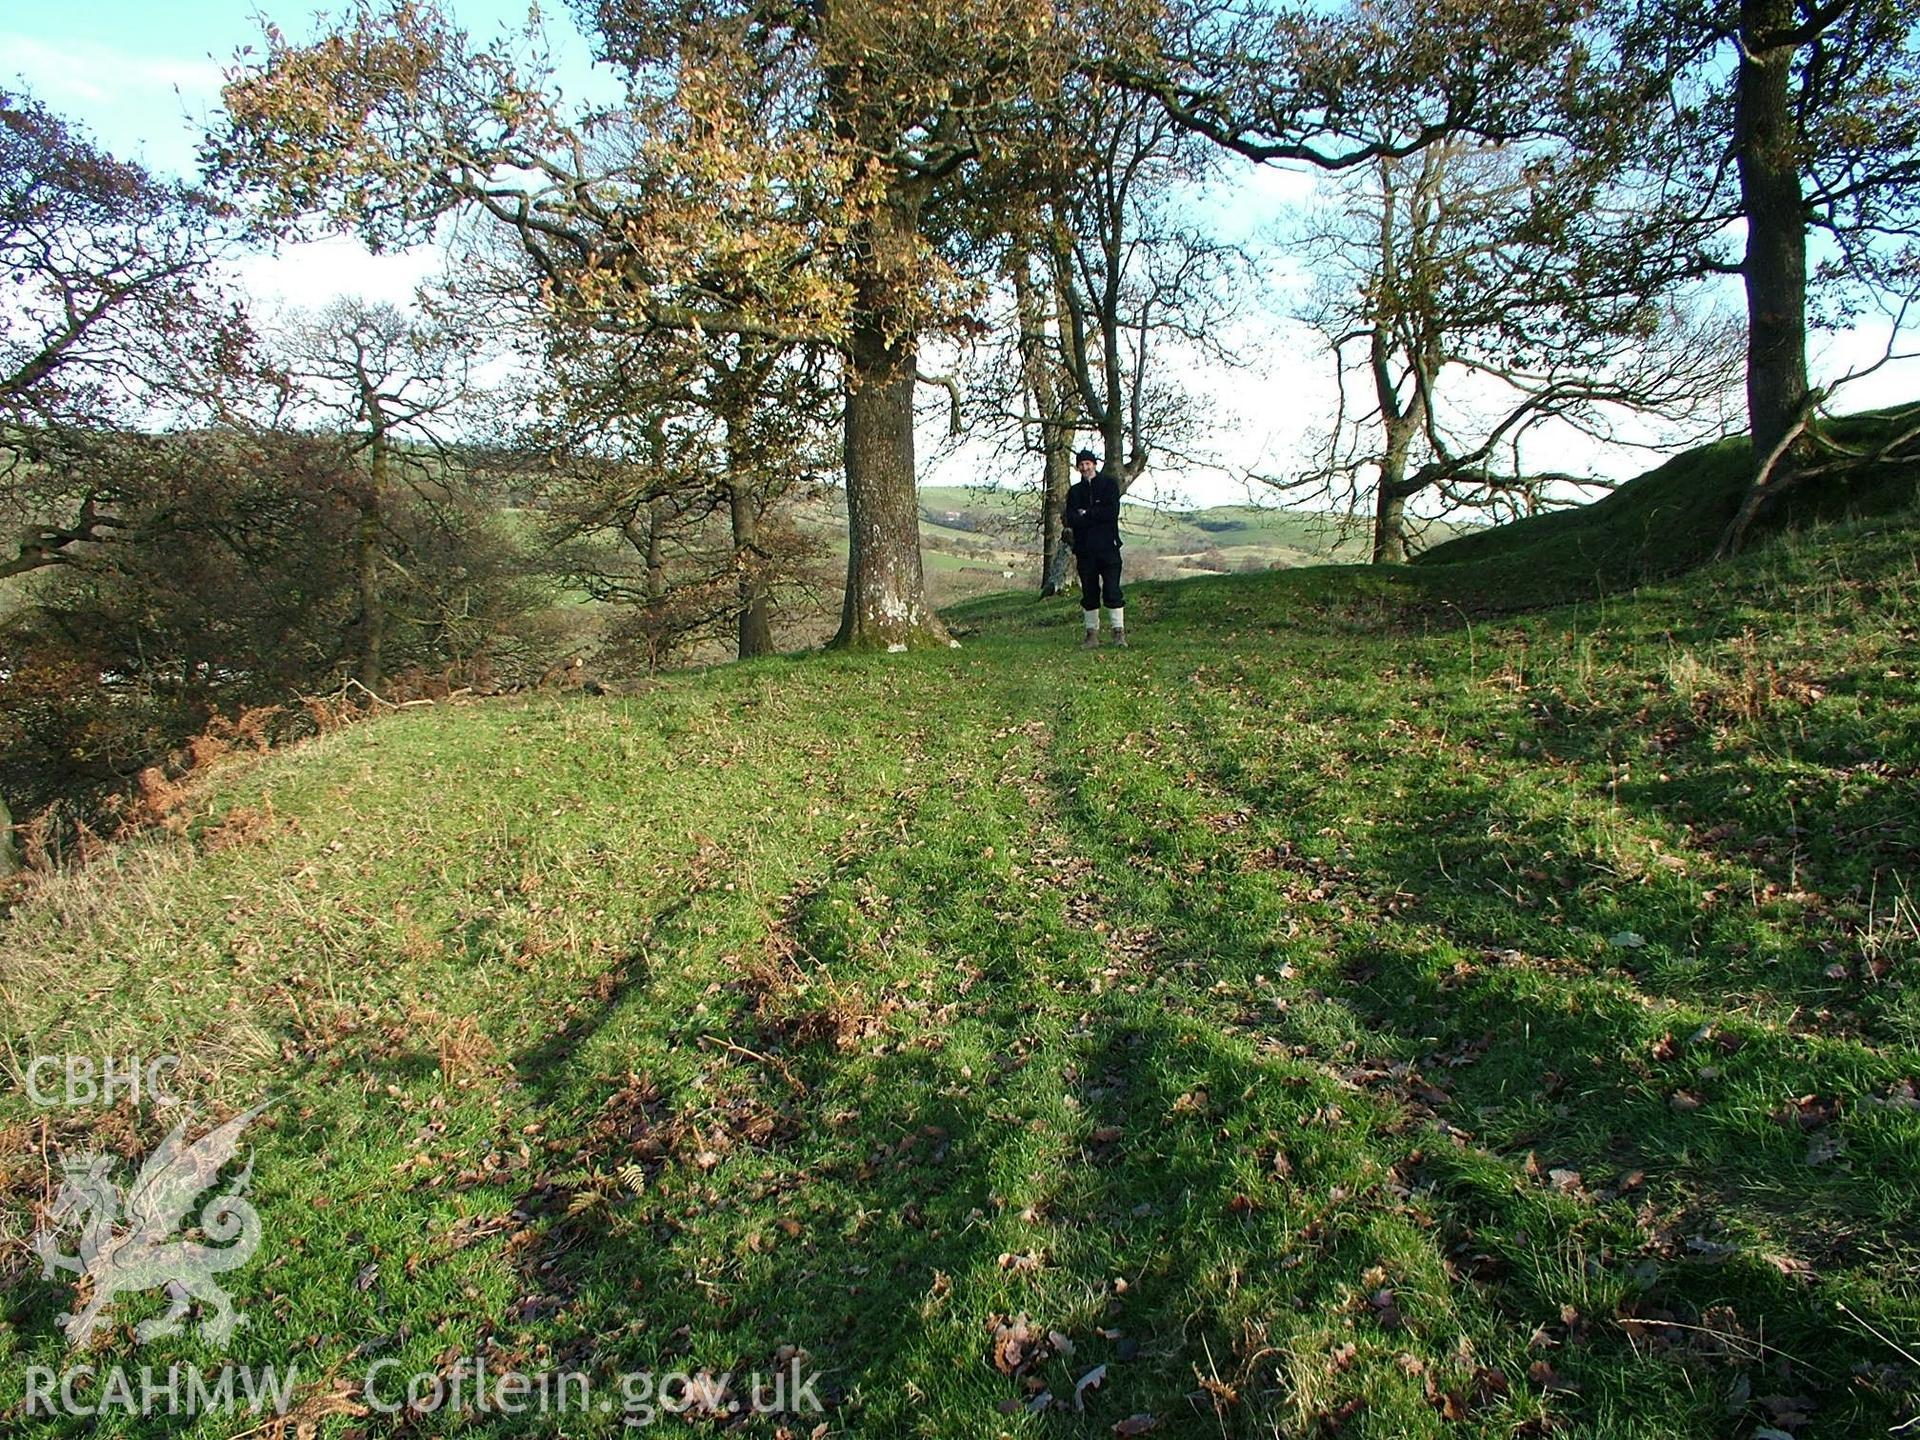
1093, 517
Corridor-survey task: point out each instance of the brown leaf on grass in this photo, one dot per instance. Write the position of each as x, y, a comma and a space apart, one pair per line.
1684, 1101
707, 1394
1809, 1112
1452, 1404
1136, 1425
1543, 1375
1343, 1357
1106, 1134
1386, 1309
1024, 1263
1092, 1380
1013, 1345
1194, 1102
1239, 1205
1019, 1348
1663, 1048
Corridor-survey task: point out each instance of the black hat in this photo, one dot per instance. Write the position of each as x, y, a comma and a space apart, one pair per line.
1086, 455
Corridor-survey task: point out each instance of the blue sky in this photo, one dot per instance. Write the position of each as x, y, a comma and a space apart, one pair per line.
142, 76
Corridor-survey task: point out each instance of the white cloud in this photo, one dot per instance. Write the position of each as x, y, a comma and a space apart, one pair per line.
140, 107
93, 72
308, 275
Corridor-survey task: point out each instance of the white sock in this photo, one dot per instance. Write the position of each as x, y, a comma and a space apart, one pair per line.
1117, 617
1092, 618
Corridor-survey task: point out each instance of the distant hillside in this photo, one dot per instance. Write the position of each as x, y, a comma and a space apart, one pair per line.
978, 541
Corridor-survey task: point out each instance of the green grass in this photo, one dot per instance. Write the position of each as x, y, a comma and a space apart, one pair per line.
1662, 523
1350, 1010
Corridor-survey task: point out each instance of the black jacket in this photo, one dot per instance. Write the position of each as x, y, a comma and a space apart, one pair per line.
1093, 515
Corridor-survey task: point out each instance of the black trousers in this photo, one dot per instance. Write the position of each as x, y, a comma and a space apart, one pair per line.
1099, 581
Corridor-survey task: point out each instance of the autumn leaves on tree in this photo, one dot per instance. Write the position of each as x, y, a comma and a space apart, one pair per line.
772, 176
849, 179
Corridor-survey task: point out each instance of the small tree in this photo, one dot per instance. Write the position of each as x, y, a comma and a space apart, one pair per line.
1447, 288
113, 320
1110, 291
381, 378
649, 439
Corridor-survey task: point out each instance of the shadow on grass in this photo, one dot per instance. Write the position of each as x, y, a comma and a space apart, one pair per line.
1680, 1182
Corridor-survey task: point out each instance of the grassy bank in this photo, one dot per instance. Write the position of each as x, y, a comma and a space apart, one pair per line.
1347, 1011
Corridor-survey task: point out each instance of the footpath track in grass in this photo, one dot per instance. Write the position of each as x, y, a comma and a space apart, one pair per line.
1335, 1014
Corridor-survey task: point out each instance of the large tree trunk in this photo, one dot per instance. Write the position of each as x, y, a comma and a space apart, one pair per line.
886, 602
373, 618
1400, 424
9, 855
1389, 526
1776, 259
1055, 556
1390, 503
756, 625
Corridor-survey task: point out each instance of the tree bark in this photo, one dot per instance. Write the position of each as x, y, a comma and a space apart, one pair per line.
1056, 558
1050, 392
1401, 424
9, 854
1775, 269
756, 625
1389, 526
886, 601
1390, 503
644, 537
373, 619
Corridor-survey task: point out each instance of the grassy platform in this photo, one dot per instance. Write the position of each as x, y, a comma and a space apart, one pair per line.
1351, 1010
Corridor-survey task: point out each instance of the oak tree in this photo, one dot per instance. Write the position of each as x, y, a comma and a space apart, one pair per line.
1453, 301
115, 322
387, 383
779, 174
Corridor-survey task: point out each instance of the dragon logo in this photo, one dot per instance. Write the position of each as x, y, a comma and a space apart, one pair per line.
147, 1249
